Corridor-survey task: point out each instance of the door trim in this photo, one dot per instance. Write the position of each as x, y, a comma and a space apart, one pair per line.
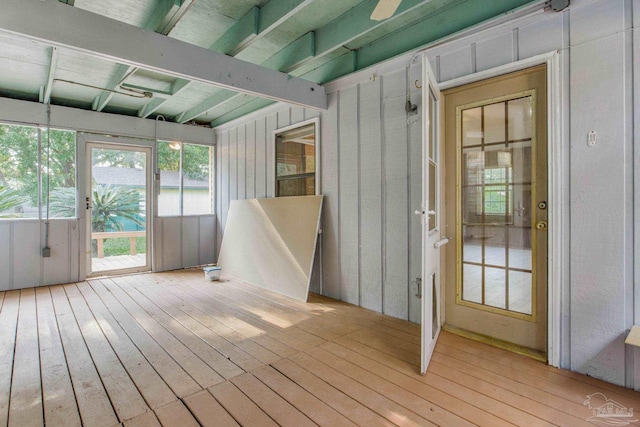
84, 140
558, 184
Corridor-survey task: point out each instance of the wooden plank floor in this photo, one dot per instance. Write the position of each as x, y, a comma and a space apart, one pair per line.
174, 349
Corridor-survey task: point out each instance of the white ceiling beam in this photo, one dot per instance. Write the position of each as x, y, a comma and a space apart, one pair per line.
294, 53
56, 24
256, 23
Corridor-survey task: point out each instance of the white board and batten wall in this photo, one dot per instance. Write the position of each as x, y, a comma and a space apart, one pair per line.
370, 169
178, 241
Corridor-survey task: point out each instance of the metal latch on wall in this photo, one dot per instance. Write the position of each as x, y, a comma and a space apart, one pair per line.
418, 283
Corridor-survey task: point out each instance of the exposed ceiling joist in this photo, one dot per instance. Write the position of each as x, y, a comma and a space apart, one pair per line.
240, 34
339, 66
55, 24
150, 107
356, 22
121, 74
46, 93
167, 14
296, 52
347, 27
164, 17
446, 20
254, 24
275, 13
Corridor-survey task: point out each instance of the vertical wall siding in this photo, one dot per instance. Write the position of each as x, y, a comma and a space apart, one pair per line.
370, 195
371, 172
370, 167
600, 207
21, 264
596, 40
182, 242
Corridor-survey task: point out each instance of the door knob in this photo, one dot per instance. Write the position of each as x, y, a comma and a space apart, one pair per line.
541, 225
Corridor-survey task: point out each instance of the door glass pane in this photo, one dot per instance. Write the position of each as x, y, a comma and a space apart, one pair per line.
433, 165
472, 127
495, 287
433, 185
520, 115
520, 291
494, 130
118, 209
433, 137
496, 204
472, 280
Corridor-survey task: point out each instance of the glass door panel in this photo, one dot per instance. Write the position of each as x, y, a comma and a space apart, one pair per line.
495, 166
119, 192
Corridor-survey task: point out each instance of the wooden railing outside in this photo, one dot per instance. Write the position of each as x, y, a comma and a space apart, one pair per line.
132, 235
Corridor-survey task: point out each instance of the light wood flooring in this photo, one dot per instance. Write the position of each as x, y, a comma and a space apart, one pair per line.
174, 349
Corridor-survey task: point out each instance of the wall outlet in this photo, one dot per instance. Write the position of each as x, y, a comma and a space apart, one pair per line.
46, 252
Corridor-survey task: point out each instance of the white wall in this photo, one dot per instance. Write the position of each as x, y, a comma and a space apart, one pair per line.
371, 173
178, 242
21, 243
596, 44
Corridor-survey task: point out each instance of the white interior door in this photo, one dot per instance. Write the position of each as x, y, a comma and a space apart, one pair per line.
432, 234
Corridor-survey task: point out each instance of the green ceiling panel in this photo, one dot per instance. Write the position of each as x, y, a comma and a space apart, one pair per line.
254, 105
239, 34
464, 14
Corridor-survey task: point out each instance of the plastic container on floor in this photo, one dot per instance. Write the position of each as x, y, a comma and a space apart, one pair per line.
212, 273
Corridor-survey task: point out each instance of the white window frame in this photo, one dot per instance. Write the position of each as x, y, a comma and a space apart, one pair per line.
316, 122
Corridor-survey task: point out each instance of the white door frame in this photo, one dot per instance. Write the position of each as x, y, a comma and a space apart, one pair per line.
84, 141
558, 182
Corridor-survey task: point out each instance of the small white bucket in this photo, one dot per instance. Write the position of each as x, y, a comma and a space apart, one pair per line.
212, 273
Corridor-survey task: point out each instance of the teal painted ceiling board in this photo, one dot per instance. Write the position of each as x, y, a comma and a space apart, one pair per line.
316, 40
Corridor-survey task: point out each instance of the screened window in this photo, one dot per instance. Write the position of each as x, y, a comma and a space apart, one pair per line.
34, 174
296, 161
185, 179
59, 174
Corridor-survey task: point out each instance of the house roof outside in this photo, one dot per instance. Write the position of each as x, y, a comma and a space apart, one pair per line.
134, 177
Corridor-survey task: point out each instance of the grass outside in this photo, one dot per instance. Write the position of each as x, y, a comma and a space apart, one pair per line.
120, 246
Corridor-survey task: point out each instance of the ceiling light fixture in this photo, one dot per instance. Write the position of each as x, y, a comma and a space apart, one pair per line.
175, 145
133, 94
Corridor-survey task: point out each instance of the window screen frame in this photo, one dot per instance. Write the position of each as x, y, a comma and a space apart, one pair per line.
41, 176
316, 122
181, 192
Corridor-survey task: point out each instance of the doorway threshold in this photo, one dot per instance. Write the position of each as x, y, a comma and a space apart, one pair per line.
540, 356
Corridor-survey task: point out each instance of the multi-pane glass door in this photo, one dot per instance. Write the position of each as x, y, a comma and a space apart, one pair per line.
495, 162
